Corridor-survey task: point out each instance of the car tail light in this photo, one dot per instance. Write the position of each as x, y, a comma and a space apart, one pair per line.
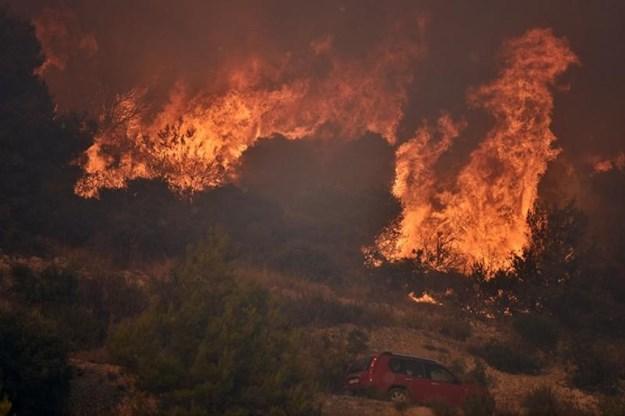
374, 361
353, 380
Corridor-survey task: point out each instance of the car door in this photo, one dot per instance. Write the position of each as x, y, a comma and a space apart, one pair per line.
398, 367
418, 379
443, 386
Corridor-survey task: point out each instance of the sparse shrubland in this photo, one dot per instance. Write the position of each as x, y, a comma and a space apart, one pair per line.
538, 330
508, 358
543, 401
316, 309
612, 406
598, 365
479, 405
458, 328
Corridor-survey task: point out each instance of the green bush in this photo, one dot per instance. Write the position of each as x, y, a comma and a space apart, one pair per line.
509, 359
478, 375
34, 374
327, 356
537, 330
456, 328
210, 346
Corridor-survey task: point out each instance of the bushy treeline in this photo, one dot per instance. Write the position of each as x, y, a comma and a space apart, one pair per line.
199, 340
34, 373
211, 346
208, 344
46, 313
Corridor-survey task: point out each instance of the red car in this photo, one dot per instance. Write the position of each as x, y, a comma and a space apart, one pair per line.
403, 378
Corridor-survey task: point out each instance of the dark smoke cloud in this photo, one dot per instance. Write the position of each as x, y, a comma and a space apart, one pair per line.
157, 42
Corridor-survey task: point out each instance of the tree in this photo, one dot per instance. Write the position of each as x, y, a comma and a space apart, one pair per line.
36, 146
211, 346
552, 258
34, 375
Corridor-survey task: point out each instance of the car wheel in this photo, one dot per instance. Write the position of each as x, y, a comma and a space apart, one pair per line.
398, 395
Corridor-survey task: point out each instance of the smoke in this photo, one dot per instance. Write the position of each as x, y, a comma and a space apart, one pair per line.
183, 90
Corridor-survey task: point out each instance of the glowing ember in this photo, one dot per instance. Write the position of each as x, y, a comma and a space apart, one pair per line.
424, 298
606, 165
482, 218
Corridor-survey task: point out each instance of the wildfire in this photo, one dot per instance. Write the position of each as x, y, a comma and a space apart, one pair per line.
606, 165
482, 218
196, 139
424, 298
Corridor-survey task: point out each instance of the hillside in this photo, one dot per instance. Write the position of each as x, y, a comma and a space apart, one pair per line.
439, 332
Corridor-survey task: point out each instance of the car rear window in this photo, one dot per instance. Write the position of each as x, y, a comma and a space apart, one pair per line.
360, 365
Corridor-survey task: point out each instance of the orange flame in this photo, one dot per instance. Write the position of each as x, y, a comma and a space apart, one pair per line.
195, 141
482, 218
606, 165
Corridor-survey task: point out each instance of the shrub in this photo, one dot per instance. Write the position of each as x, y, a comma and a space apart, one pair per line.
308, 262
507, 358
52, 285
598, 366
456, 328
34, 374
458, 367
327, 356
320, 310
206, 342
544, 402
443, 409
612, 406
538, 330
79, 308
478, 405
478, 375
